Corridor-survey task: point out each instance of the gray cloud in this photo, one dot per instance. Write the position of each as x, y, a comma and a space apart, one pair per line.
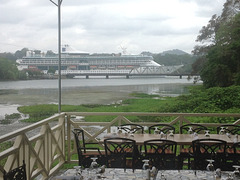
102, 26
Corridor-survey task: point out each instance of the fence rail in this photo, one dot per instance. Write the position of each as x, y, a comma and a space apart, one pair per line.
43, 144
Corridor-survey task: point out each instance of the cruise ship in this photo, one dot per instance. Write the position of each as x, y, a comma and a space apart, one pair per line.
81, 63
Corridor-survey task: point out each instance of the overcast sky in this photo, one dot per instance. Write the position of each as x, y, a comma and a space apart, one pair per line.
104, 26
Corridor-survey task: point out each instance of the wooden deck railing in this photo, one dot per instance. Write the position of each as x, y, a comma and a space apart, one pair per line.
43, 144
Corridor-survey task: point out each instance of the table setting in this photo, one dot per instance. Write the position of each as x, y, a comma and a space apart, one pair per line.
141, 174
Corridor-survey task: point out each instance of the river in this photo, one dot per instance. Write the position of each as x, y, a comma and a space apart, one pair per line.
80, 91
85, 91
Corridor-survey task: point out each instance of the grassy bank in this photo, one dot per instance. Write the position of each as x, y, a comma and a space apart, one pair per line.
200, 100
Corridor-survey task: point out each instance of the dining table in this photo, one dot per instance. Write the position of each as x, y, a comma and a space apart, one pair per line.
180, 139
138, 174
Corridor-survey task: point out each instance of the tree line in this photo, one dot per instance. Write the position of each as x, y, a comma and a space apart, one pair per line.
8, 66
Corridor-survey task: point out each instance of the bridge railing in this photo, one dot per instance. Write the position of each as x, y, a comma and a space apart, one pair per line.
47, 145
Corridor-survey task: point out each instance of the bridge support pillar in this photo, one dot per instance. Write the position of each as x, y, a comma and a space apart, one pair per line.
87, 76
107, 76
127, 76
180, 76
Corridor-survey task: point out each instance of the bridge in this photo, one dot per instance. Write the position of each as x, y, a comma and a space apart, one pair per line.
140, 71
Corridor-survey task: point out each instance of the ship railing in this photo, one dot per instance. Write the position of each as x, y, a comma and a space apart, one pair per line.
47, 145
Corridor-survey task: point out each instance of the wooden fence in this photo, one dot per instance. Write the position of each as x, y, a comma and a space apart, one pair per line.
43, 144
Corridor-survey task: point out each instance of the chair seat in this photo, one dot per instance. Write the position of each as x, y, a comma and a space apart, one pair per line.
231, 151
220, 151
167, 151
186, 150
89, 153
127, 150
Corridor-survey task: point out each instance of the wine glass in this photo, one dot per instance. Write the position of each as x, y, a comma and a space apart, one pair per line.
195, 135
236, 173
222, 131
171, 132
156, 130
94, 164
210, 167
119, 130
190, 130
131, 134
93, 169
145, 169
78, 170
207, 133
235, 140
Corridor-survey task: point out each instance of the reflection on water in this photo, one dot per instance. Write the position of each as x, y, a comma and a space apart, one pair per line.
92, 82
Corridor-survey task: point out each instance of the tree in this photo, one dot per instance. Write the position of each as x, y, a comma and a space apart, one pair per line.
8, 56
207, 36
8, 70
21, 53
50, 53
33, 73
223, 60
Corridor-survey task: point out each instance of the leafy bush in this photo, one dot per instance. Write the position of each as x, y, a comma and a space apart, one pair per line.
12, 116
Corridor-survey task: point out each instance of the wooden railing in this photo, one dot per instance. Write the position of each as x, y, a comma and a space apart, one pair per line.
43, 144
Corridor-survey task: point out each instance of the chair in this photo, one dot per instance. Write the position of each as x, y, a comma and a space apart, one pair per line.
233, 156
197, 128
186, 152
161, 128
161, 153
229, 128
120, 152
236, 148
84, 157
206, 149
131, 128
134, 129
18, 173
